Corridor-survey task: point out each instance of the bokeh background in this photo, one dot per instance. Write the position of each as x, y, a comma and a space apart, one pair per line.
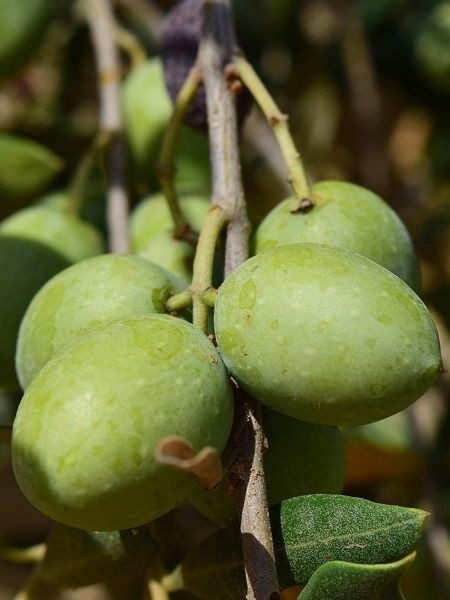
366, 84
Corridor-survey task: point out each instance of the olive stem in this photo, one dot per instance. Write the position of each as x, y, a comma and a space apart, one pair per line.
79, 181
217, 49
215, 221
129, 44
179, 301
209, 297
279, 122
100, 17
166, 166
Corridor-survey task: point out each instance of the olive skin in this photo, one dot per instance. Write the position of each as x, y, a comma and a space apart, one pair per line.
301, 458
84, 439
325, 335
82, 297
348, 216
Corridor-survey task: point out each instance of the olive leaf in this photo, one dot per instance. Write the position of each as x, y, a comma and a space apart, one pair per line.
308, 532
75, 557
27, 167
342, 580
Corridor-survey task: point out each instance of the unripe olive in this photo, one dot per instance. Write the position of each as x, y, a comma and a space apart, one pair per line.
93, 204
84, 438
152, 217
176, 256
27, 167
65, 233
302, 458
147, 110
82, 297
325, 335
348, 216
25, 265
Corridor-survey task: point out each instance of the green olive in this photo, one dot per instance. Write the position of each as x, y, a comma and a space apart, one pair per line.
325, 335
84, 438
348, 216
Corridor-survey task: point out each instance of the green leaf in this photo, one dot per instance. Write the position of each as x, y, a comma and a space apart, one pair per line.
308, 532
343, 580
27, 167
75, 558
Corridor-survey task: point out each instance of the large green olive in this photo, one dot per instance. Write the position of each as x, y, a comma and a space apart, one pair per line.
25, 265
302, 458
348, 216
325, 335
82, 297
147, 109
84, 438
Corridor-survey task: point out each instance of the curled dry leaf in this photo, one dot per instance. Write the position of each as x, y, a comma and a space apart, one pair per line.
176, 452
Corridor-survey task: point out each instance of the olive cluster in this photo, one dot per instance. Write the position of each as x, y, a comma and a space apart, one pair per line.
323, 325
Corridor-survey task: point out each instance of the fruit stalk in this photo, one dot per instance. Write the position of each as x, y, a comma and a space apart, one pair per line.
101, 22
203, 263
279, 123
166, 167
217, 49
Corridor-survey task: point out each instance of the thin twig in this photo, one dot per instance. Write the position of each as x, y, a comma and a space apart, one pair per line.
166, 166
217, 49
77, 187
279, 123
129, 44
101, 21
203, 263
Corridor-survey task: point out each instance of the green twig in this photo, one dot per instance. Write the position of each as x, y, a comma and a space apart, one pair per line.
209, 297
279, 123
216, 219
166, 166
129, 44
79, 181
179, 301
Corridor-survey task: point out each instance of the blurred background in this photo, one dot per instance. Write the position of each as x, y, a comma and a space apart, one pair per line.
366, 84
